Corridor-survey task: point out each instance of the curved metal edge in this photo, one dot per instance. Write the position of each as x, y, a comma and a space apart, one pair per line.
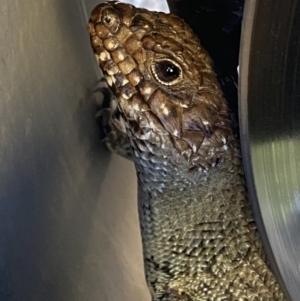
250, 10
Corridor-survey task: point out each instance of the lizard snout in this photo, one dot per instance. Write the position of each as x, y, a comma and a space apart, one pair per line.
106, 20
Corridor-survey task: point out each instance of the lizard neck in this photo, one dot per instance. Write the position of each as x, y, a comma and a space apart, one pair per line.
221, 187
182, 222
197, 227
161, 172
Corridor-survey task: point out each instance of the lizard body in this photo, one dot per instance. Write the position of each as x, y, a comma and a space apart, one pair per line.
199, 237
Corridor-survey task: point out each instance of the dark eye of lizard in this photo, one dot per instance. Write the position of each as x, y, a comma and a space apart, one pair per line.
166, 72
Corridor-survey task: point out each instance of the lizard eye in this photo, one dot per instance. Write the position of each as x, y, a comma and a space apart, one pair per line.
166, 72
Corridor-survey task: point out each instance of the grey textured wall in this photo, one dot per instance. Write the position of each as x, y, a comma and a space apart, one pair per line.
68, 217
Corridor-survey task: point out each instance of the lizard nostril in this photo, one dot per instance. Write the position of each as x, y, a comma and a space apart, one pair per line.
106, 20
111, 20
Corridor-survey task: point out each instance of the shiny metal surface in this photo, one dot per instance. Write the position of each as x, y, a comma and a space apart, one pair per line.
270, 128
68, 226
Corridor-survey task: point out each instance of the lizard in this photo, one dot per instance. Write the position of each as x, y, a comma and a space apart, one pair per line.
200, 240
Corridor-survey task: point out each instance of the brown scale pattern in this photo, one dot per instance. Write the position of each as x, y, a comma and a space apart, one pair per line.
199, 238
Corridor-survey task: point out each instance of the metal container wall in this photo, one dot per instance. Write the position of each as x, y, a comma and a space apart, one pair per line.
68, 216
270, 129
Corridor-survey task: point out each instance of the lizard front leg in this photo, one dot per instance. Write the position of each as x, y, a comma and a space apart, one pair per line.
112, 127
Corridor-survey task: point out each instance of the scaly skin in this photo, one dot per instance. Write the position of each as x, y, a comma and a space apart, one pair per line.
199, 238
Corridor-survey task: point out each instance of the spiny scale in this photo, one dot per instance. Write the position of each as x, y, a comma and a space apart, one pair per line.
199, 238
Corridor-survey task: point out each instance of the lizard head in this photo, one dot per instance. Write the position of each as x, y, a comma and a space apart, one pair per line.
163, 78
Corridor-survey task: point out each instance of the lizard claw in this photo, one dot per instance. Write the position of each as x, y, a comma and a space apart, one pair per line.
108, 116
